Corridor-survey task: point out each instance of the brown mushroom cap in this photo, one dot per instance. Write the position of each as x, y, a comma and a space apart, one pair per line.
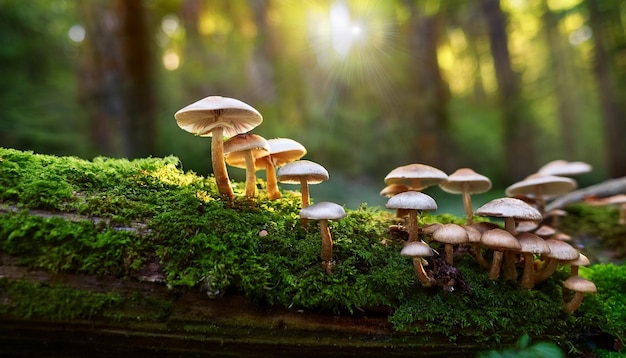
235, 147
579, 284
499, 239
451, 234
416, 176
416, 249
545, 231
323, 210
411, 200
509, 207
562, 251
311, 172
465, 180
564, 168
202, 116
473, 234
532, 243
549, 185
582, 260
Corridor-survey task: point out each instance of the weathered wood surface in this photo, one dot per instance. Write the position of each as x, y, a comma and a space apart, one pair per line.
606, 188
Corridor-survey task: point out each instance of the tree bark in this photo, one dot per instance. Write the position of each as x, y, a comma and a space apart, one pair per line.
518, 140
608, 34
433, 143
116, 79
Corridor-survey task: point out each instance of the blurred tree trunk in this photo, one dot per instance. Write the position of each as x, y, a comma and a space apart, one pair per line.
116, 81
565, 86
433, 142
260, 68
609, 52
518, 128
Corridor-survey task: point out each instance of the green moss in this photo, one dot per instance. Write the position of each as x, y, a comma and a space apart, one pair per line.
110, 217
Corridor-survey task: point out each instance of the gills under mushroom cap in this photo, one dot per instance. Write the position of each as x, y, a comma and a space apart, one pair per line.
202, 116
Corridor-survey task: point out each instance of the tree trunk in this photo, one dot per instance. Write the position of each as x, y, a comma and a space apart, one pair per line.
433, 143
564, 84
518, 140
609, 47
116, 81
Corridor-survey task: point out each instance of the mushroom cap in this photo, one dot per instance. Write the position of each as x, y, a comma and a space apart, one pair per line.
202, 116
526, 225
483, 226
582, 260
473, 234
285, 150
616, 199
562, 251
393, 189
323, 210
292, 173
550, 185
579, 284
545, 230
236, 147
564, 168
465, 180
532, 243
416, 249
500, 240
411, 200
416, 176
509, 208
451, 234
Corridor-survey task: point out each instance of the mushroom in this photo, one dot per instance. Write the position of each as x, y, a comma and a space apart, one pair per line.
218, 117
412, 201
242, 150
580, 286
394, 189
559, 251
282, 151
416, 176
324, 211
450, 235
465, 181
564, 168
499, 240
539, 187
582, 260
417, 250
617, 199
531, 244
556, 215
303, 172
474, 234
511, 209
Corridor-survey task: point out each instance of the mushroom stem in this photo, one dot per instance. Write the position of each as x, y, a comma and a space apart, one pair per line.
574, 303
449, 254
412, 225
467, 203
547, 271
421, 273
272, 184
250, 175
508, 266
496, 264
478, 253
528, 276
219, 166
327, 246
304, 189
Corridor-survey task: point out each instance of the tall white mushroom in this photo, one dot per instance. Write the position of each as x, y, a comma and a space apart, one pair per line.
412, 201
324, 211
303, 172
218, 117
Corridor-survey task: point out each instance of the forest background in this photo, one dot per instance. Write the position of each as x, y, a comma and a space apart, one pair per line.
501, 87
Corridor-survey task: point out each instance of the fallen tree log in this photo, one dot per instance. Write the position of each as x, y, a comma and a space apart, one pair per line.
606, 188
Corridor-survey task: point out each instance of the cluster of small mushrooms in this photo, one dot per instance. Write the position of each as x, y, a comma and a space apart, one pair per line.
526, 249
